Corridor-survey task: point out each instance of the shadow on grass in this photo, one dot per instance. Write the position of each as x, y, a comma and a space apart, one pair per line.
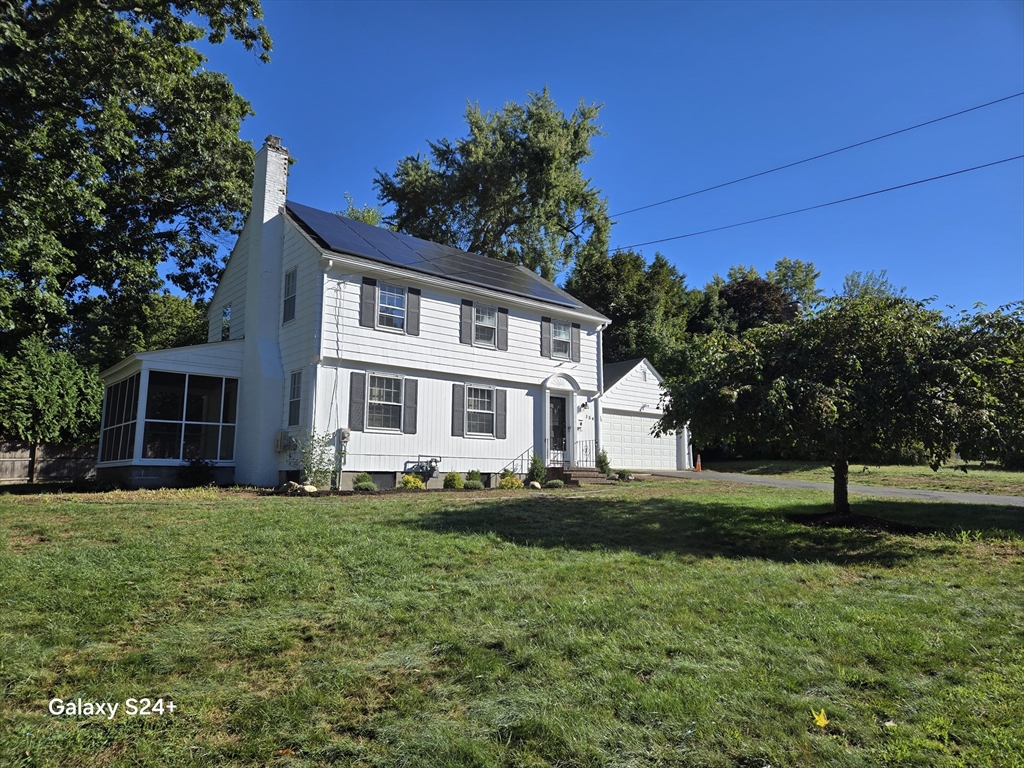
701, 528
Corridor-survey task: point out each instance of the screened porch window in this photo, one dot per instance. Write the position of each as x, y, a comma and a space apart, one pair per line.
190, 417
120, 410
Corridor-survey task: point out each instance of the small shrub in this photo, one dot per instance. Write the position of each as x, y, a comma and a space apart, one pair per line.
506, 472
474, 474
413, 482
366, 485
537, 471
473, 485
510, 482
554, 484
453, 480
604, 466
362, 477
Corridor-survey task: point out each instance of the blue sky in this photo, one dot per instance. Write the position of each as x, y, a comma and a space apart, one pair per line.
694, 94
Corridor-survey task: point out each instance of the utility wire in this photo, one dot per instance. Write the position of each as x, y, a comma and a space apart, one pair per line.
818, 157
822, 205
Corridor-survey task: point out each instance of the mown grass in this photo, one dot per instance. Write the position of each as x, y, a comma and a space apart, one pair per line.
951, 477
655, 624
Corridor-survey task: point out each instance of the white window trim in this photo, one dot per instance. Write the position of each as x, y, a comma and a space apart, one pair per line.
401, 403
291, 400
286, 296
405, 310
495, 326
554, 340
494, 415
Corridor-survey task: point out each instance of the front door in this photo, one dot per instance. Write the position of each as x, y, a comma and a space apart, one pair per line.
556, 444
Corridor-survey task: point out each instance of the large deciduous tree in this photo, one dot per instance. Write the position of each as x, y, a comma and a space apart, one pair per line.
513, 189
858, 379
118, 152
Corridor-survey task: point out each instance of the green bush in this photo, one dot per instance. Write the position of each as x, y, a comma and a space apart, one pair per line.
506, 472
554, 484
453, 480
474, 474
362, 477
604, 466
537, 471
364, 486
473, 485
510, 482
414, 482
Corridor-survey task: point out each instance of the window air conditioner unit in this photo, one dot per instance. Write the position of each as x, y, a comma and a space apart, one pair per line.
284, 442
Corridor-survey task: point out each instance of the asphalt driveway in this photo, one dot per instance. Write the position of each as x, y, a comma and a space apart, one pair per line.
863, 490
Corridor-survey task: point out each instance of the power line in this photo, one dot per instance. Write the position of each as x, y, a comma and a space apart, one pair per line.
822, 205
818, 157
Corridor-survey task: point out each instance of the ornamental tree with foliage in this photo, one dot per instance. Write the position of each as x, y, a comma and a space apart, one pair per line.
797, 278
512, 189
858, 379
118, 152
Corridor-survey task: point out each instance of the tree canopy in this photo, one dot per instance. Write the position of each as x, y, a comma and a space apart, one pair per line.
858, 379
647, 304
118, 152
513, 189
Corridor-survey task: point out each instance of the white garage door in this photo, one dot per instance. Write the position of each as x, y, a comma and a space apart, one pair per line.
629, 444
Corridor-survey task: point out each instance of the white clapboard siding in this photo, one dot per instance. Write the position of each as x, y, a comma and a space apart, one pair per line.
370, 451
299, 338
231, 290
633, 393
222, 358
437, 348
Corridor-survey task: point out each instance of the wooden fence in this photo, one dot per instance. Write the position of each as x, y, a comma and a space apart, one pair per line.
25, 463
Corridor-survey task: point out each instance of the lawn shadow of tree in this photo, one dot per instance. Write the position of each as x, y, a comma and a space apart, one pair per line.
695, 527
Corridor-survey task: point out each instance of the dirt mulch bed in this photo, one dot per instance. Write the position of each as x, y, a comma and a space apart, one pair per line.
858, 522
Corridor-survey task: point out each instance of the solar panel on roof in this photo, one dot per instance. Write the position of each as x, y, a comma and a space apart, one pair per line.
338, 233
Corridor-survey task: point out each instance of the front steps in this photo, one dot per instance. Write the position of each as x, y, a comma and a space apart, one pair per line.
573, 477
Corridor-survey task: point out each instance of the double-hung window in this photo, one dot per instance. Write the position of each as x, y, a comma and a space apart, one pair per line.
295, 399
290, 281
391, 307
561, 339
384, 408
485, 326
479, 411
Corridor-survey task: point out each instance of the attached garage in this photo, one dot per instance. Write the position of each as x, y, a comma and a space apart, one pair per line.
630, 409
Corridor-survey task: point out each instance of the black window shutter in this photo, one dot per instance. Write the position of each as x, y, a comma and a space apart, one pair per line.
502, 329
458, 410
368, 303
575, 342
499, 413
409, 406
356, 401
412, 312
466, 322
545, 337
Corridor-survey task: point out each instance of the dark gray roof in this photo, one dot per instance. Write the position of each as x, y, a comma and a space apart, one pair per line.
613, 372
344, 235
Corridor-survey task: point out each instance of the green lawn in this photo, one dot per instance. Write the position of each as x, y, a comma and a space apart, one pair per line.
656, 624
991, 480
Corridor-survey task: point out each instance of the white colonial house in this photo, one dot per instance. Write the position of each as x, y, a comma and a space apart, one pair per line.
410, 349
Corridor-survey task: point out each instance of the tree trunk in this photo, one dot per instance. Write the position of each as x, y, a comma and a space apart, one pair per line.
32, 462
841, 487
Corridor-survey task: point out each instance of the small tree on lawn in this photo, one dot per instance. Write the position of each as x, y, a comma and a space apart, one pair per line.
860, 378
